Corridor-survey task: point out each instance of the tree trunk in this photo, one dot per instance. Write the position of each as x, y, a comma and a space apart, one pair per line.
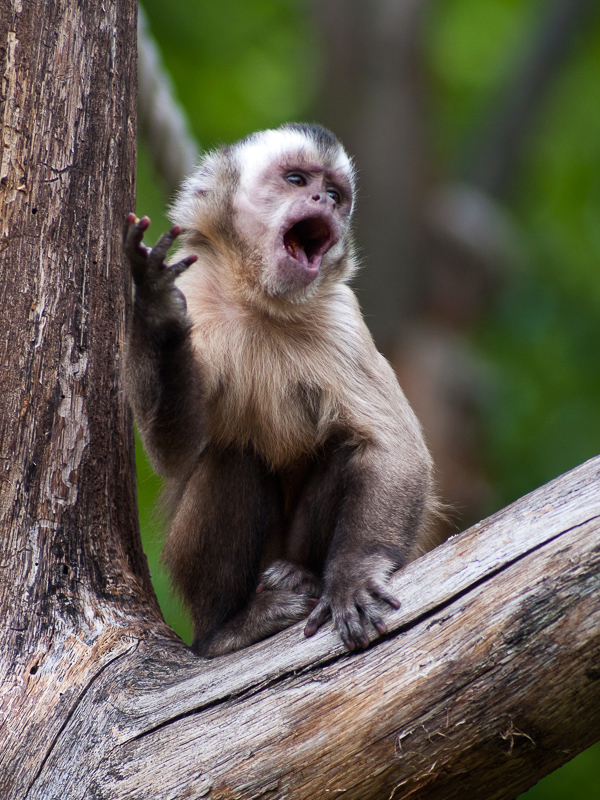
490, 674
73, 577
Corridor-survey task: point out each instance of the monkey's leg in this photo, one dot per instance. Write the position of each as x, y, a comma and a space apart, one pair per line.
229, 507
366, 514
162, 375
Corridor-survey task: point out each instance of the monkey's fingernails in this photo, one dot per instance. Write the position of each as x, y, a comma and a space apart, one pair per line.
314, 622
175, 231
388, 598
316, 619
133, 230
260, 588
181, 266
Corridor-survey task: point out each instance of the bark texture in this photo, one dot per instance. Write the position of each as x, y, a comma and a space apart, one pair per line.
488, 679
72, 572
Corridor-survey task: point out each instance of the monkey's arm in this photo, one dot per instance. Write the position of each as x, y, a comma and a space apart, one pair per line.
161, 372
378, 529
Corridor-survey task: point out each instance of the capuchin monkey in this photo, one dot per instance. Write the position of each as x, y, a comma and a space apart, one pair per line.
297, 477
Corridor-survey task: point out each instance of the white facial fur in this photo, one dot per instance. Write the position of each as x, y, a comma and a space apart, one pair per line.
250, 173
266, 209
254, 156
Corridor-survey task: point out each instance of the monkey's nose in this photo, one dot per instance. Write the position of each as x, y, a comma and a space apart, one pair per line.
321, 197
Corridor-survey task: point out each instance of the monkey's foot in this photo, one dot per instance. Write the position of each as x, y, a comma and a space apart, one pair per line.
283, 574
267, 613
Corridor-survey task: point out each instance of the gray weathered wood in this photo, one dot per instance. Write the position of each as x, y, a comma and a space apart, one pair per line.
488, 679
72, 571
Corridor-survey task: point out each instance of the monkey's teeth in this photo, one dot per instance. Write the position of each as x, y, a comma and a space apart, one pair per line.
294, 247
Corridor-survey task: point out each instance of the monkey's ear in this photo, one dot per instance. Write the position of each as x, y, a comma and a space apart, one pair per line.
203, 180
195, 190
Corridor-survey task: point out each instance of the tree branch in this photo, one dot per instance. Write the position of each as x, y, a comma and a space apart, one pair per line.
488, 679
162, 120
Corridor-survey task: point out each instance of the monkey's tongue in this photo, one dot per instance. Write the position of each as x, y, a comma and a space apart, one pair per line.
307, 241
292, 244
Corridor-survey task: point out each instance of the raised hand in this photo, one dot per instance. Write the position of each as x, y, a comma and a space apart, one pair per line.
154, 279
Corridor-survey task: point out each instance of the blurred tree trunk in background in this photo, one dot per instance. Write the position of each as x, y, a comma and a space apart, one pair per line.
491, 157
372, 96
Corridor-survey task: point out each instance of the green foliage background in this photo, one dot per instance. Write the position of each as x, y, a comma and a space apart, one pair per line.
242, 65
543, 416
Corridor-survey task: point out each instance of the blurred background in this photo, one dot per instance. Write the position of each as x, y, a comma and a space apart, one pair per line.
475, 127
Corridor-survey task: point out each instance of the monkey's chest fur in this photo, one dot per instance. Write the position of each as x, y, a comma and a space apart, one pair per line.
275, 388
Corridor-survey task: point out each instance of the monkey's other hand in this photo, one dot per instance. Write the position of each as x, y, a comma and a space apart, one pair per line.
283, 574
151, 274
353, 600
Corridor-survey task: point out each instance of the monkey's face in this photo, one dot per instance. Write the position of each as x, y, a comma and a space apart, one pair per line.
294, 208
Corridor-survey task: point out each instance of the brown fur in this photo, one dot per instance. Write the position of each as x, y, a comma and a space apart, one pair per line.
282, 433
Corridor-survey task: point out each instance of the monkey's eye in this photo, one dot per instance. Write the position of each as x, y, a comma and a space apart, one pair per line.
334, 194
296, 178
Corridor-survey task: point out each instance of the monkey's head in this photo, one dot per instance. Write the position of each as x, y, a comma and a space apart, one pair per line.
274, 208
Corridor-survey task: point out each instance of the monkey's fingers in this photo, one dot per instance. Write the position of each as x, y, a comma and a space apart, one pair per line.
175, 270
130, 220
380, 591
349, 618
136, 252
348, 624
346, 621
319, 615
370, 610
133, 231
161, 248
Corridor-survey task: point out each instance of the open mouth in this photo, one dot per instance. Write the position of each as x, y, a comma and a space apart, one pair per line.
307, 241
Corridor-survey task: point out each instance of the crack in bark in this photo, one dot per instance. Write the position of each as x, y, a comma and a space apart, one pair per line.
316, 666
